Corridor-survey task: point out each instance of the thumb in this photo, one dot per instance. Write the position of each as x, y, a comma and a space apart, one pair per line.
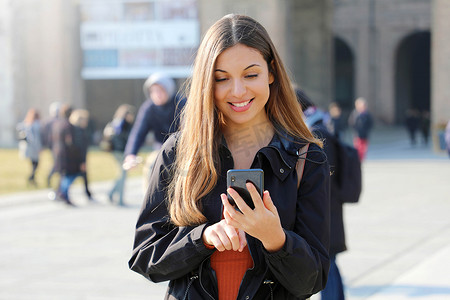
242, 240
268, 203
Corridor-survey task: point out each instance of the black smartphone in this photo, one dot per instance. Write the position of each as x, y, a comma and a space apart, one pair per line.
237, 178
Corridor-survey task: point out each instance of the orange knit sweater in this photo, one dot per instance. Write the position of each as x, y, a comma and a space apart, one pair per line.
230, 267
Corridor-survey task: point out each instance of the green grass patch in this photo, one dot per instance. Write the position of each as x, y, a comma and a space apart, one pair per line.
14, 171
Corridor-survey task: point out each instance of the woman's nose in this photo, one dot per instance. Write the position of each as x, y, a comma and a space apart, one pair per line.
238, 89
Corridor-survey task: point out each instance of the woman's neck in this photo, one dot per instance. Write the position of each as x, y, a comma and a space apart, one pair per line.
245, 141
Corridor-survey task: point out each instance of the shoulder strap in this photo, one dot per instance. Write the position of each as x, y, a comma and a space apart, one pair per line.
300, 165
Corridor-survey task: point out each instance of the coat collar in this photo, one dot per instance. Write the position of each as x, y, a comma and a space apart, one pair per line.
281, 153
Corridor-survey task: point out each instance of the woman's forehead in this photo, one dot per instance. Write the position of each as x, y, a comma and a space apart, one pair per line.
239, 55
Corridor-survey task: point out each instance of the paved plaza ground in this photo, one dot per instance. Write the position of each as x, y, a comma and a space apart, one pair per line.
398, 235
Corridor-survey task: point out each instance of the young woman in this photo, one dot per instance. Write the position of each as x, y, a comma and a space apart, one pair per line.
30, 145
241, 112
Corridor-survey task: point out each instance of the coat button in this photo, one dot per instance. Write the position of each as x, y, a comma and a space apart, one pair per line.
247, 297
281, 170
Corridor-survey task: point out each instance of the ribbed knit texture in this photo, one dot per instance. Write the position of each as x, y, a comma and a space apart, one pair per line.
230, 267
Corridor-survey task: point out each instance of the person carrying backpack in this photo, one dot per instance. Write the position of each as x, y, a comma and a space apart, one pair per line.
115, 137
340, 163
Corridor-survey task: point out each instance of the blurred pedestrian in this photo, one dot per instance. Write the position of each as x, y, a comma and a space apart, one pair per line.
360, 121
333, 119
241, 113
447, 137
30, 144
315, 119
117, 131
158, 114
66, 163
46, 135
425, 123
412, 120
79, 119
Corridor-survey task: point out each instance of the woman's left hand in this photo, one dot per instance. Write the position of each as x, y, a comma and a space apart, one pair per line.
262, 222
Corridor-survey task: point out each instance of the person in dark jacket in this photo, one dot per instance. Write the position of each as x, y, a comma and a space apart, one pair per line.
315, 119
158, 114
241, 113
47, 135
425, 126
333, 119
361, 121
70, 143
62, 143
79, 119
447, 137
412, 121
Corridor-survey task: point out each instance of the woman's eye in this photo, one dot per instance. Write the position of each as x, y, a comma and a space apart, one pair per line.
251, 76
220, 79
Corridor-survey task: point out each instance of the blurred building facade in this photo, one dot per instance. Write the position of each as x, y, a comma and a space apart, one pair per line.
383, 50
43, 60
336, 50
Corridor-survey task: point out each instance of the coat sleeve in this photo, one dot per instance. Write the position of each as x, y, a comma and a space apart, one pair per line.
163, 251
141, 127
302, 265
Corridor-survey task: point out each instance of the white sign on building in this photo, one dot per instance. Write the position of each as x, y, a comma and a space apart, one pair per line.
132, 39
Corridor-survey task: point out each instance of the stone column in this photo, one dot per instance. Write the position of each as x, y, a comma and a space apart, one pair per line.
46, 45
440, 66
7, 122
310, 47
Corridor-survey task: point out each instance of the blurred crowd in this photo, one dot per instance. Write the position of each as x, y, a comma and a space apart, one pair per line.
67, 134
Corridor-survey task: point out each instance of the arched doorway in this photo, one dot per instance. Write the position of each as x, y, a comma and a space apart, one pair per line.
343, 76
412, 75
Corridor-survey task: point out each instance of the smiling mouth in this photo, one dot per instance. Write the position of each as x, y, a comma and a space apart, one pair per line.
241, 104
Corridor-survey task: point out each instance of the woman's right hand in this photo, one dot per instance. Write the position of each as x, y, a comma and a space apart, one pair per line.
224, 237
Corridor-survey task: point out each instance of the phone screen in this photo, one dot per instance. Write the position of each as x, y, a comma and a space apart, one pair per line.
237, 178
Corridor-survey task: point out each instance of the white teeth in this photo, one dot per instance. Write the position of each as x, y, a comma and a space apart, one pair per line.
242, 104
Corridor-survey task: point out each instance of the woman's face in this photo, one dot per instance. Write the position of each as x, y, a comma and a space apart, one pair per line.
241, 88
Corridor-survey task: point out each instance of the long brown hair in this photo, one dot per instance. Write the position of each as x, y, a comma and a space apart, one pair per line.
195, 171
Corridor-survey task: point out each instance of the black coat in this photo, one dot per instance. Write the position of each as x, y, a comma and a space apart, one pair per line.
163, 251
162, 120
337, 236
361, 123
62, 141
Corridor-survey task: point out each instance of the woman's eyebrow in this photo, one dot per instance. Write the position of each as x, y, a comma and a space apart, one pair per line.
251, 66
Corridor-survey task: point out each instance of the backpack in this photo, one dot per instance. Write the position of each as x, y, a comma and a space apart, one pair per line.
21, 133
115, 136
348, 172
106, 143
